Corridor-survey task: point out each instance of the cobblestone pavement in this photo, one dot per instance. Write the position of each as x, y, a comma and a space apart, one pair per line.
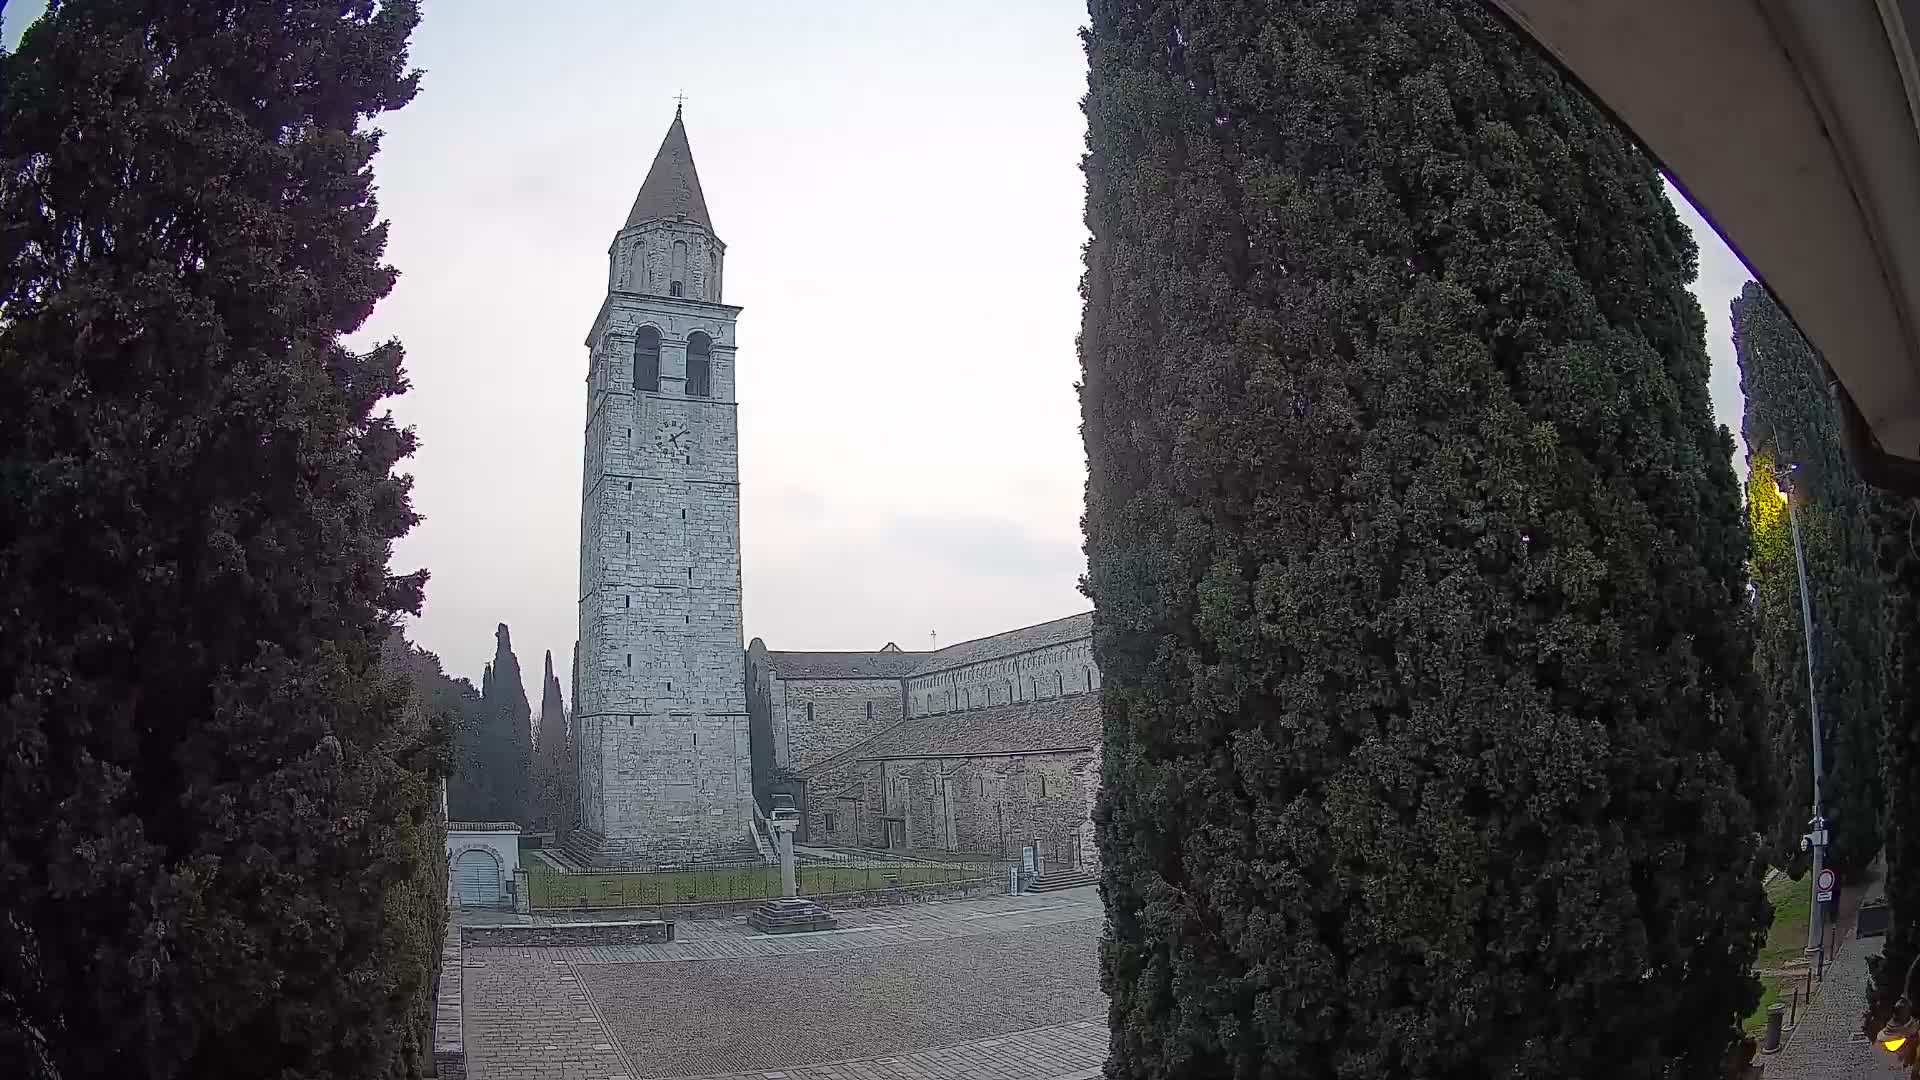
1826, 1043
528, 1019
1063, 1052
999, 988
769, 1013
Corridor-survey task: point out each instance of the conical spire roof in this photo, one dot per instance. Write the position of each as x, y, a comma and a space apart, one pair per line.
672, 186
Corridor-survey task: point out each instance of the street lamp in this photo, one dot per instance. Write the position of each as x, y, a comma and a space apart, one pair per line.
1815, 841
1901, 1030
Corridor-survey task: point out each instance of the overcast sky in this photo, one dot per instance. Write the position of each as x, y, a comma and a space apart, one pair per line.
898, 186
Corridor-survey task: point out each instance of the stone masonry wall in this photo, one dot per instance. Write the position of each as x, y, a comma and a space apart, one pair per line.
559, 935
976, 806
1048, 672
641, 260
814, 719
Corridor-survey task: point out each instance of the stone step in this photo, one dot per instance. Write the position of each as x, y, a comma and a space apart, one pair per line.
1055, 880
790, 915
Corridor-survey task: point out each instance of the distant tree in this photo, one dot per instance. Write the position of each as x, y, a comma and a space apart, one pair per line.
1417, 559
506, 736
1792, 430
215, 801
455, 703
550, 754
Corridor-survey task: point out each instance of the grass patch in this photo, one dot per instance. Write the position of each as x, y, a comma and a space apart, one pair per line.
548, 888
1787, 936
1772, 989
1786, 946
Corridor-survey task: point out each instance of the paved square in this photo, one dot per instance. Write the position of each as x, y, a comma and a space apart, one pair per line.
729, 1016
993, 989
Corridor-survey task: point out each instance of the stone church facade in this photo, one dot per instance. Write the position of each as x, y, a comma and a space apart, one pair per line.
683, 737
977, 749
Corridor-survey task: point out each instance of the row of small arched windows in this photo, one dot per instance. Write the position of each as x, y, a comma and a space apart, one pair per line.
646, 363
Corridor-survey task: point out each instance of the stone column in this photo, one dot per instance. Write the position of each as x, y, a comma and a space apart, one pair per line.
783, 838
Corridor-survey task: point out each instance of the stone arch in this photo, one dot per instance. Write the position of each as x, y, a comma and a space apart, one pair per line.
646, 358
463, 897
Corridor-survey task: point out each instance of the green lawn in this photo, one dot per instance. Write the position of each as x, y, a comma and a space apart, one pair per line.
1787, 938
551, 889
1786, 944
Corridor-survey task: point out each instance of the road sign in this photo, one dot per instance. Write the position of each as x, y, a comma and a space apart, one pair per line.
1823, 886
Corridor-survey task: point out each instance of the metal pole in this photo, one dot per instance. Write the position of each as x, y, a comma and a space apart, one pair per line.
1817, 839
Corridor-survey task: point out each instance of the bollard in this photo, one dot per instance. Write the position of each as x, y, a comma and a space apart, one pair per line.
1794, 1017
1776, 1014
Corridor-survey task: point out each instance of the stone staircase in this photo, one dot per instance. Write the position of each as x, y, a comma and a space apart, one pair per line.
1055, 880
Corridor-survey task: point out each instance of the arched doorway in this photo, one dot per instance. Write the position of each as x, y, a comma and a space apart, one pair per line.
476, 877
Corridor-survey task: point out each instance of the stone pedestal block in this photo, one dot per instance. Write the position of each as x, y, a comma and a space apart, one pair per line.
790, 915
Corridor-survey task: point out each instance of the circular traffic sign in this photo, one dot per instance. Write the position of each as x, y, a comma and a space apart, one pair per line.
1826, 880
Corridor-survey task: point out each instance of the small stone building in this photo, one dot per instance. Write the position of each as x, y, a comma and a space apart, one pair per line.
976, 749
482, 858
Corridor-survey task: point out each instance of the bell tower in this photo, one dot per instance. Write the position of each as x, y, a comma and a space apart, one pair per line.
661, 710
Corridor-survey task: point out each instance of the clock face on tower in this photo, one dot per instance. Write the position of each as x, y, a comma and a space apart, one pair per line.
672, 441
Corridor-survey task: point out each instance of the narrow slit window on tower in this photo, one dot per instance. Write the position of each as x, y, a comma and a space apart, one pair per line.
809, 712
646, 361
1043, 785
626, 601
629, 660
1059, 683
869, 710
677, 278
699, 365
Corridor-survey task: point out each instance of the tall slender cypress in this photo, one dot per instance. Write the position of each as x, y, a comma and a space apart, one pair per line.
550, 753
506, 735
1417, 558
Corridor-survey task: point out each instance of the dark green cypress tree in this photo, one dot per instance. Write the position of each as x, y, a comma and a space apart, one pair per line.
506, 751
1792, 430
550, 752
1896, 523
213, 798
1418, 564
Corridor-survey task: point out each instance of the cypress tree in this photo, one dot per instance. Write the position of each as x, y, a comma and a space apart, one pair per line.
214, 800
1896, 523
550, 752
1417, 560
1792, 430
506, 752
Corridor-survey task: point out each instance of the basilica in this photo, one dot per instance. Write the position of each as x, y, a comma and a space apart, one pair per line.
684, 736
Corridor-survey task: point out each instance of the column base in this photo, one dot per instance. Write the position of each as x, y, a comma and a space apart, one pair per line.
790, 915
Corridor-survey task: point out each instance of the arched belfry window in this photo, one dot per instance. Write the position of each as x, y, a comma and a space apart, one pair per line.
677, 280
699, 365
646, 360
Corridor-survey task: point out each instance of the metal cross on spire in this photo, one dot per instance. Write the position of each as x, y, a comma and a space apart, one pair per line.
679, 100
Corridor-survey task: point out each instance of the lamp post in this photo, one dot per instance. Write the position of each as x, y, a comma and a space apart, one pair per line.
1815, 841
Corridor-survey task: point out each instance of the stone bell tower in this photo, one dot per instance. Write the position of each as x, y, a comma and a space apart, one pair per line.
661, 712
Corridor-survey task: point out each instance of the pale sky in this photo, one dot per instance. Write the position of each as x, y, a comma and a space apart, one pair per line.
898, 187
